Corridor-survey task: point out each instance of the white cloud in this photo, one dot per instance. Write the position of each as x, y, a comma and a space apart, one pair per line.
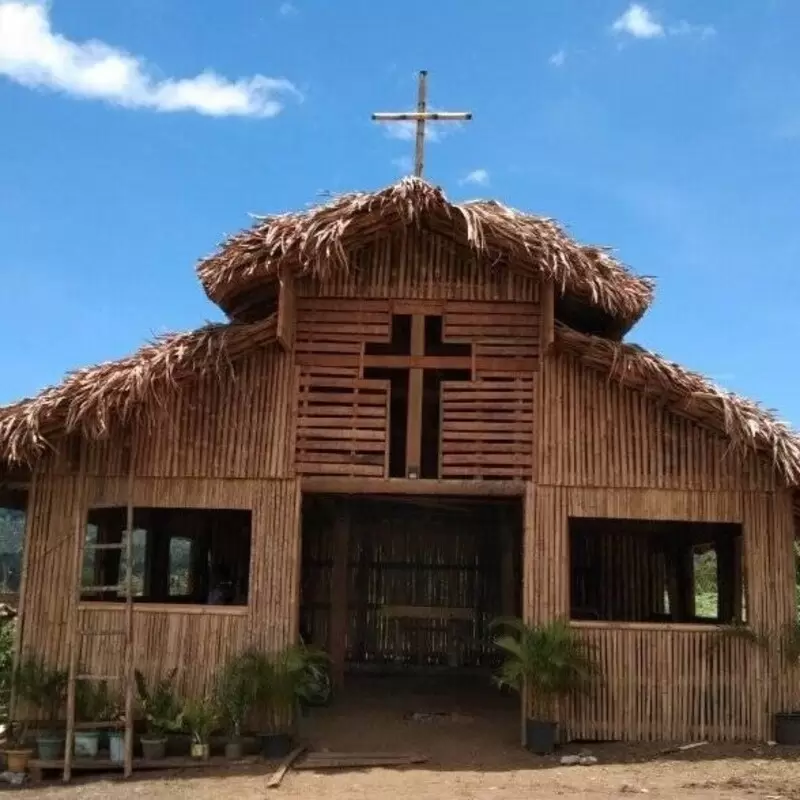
479, 177
33, 55
558, 58
287, 9
639, 22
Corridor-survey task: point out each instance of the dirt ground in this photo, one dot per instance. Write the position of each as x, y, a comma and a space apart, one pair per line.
471, 742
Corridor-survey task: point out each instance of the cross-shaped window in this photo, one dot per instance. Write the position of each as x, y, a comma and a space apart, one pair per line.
416, 361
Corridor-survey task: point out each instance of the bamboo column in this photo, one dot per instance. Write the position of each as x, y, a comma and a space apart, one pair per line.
337, 644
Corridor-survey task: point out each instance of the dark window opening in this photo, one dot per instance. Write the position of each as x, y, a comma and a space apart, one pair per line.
12, 535
652, 571
432, 376
180, 555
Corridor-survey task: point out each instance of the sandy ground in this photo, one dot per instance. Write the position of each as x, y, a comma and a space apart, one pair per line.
473, 751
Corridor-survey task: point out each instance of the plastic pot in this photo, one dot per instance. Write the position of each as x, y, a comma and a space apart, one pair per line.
87, 743
17, 760
200, 751
275, 745
154, 747
233, 750
540, 737
787, 728
49, 746
116, 747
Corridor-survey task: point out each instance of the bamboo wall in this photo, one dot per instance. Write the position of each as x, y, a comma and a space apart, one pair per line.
193, 638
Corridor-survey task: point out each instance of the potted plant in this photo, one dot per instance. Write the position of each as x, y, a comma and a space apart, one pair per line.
17, 750
235, 697
202, 717
45, 688
163, 713
543, 663
93, 704
281, 682
116, 738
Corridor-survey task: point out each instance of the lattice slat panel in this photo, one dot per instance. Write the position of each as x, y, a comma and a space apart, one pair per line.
487, 428
342, 424
505, 336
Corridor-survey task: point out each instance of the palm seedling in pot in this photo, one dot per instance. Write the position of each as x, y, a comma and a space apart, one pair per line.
544, 663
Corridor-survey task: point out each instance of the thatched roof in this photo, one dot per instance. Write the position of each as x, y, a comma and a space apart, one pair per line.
320, 240
95, 400
744, 422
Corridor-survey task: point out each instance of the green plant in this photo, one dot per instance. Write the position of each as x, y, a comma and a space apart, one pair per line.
41, 686
161, 706
283, 680
235, 693
93, 701
202, 717
547, 661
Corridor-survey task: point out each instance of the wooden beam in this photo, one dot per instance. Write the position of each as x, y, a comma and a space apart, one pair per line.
547, 319
385, 486
287, 304
337, 631
418, 360
415, 396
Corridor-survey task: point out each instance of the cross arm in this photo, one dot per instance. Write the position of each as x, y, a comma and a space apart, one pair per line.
416, 116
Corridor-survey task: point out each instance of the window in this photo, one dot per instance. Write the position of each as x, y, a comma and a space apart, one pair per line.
653, 571
180, 555
13, 504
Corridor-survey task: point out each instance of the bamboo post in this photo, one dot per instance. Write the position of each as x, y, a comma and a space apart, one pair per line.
338, 624
26, 550
79, 534
128, 666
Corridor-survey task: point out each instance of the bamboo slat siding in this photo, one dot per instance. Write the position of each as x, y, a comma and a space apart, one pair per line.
194, 638
596, 433
667, 681
342, 419
423, 265
487, 424
236, 426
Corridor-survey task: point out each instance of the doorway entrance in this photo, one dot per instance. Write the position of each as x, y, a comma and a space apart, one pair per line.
401, 592
408, 585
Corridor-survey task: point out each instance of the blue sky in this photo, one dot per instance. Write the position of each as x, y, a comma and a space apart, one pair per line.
136, 134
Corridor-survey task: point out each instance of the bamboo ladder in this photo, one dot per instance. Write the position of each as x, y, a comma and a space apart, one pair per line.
76, 635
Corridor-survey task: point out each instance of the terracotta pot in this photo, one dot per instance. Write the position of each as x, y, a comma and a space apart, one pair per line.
17, 760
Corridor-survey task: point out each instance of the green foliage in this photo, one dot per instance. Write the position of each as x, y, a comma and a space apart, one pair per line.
285, 679
94, 702
235, 693
42, 686
548, 660
161, 706
202, 716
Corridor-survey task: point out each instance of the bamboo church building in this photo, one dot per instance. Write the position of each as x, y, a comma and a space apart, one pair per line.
420, 415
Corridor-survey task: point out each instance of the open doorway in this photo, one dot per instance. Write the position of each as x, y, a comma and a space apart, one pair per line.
401, 591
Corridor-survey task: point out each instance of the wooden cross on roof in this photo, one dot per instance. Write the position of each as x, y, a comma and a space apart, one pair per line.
421, 116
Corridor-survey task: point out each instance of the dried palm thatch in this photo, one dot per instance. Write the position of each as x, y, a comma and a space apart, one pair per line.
96, 400
747, 425
319, 242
